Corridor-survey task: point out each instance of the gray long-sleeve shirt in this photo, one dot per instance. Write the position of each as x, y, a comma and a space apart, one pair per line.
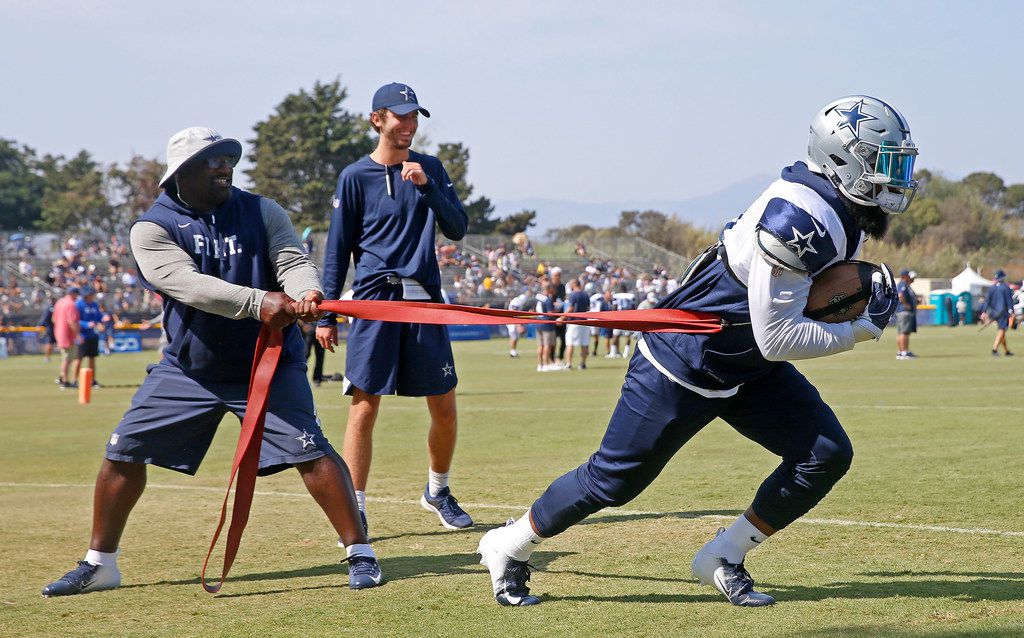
171, 270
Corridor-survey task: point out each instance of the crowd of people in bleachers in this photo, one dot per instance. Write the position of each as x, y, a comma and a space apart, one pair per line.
102, 265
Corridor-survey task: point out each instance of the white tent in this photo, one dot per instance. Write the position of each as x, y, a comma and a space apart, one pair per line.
970, 281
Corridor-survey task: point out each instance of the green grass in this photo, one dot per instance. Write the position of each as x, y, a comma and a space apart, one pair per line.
938, 443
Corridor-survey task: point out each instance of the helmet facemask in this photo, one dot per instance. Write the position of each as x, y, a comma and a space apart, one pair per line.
866, 151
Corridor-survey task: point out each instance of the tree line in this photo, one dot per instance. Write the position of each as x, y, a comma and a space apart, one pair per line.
977, 220
296, 154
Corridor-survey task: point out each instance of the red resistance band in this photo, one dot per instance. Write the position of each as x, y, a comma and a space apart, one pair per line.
268, 352
654, 320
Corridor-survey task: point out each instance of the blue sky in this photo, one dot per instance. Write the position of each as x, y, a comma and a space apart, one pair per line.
585, 101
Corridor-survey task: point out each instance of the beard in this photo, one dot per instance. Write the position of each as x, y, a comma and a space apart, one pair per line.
871, 219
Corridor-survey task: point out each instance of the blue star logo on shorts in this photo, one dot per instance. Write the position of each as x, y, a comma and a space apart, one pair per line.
448, 369
306, 439
852, 117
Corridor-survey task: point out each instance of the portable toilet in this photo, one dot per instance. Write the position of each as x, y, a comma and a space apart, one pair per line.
938, 299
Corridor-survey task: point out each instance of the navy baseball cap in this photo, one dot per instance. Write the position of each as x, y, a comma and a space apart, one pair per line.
72, 290
88, 290
398, 98
1000, 274
905, 272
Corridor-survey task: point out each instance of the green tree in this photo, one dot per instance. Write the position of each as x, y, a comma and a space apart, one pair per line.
1013, 200
516, 223
300, 149
455, 158
21, 187
988, 185
923, 212
74, 195
134, 188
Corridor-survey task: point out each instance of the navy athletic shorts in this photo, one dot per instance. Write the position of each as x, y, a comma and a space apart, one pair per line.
89, 348
173, 417
408, 359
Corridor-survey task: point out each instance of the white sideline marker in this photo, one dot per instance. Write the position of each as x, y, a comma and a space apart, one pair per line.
834, 522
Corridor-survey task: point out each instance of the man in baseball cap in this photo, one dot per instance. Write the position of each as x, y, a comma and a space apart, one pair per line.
906, 314
398, 98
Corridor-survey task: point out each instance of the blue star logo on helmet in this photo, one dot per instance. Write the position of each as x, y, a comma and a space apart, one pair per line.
852, 117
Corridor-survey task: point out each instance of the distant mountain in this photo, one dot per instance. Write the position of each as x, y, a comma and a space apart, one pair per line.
706, 211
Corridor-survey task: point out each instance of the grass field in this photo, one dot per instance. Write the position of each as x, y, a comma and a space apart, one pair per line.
924, 537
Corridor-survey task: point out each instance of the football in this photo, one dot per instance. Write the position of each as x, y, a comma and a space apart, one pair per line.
840, 292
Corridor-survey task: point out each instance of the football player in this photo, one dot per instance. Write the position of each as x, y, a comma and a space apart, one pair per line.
858, 172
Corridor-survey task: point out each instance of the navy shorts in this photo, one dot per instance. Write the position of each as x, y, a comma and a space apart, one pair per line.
1003, 322
89, 348
407, 359
173, 417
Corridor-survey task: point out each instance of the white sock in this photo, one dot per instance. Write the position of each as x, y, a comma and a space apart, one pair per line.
108, 559
436, 481
738, 539
361, 500
360, 549
521, 539
614, 351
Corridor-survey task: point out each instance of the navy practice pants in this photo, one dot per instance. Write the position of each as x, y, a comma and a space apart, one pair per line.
654, 418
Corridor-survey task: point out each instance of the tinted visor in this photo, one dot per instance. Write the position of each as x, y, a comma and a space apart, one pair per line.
897, 163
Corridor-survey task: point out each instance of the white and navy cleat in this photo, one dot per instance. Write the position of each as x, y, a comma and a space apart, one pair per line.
732, 579
509, 577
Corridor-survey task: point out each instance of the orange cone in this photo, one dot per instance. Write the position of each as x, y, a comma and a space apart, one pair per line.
84, 385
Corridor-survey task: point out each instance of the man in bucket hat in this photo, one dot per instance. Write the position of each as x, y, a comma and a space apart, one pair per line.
215, 254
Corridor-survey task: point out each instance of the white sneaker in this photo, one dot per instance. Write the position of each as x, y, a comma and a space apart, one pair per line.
513, 354
553, 367
540, 368
508, 576
732, 579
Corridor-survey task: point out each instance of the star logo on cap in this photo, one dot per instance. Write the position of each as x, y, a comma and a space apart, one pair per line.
212, 138
852, 117
802, 243
410, 95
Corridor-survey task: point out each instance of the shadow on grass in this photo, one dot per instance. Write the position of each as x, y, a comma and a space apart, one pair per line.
394, 569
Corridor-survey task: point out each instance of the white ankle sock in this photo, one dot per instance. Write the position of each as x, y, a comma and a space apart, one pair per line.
360, 549
361, 500
738, 539
108, 559
521, 539
436, 481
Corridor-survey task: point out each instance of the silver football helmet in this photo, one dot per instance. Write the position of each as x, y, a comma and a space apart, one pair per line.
863, 146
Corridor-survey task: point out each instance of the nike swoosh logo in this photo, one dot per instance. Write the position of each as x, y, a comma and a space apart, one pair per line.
535, 542
450, 184
515, 600
821, 231
184, 225
755, 540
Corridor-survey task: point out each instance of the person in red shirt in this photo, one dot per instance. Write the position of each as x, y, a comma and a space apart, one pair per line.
66, 330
